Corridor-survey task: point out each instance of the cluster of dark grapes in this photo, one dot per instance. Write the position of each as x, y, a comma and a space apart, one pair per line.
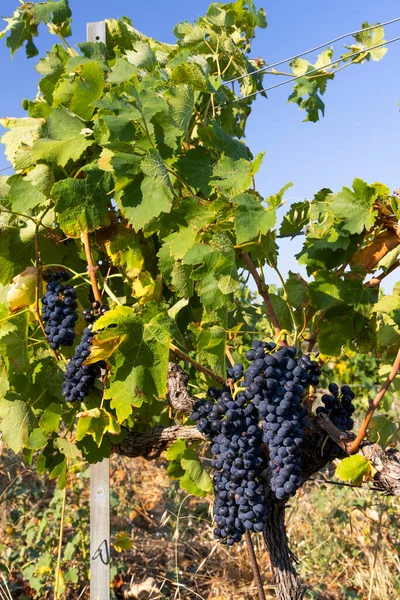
276, 384
232, 425
59, 310
338, 405
79, 378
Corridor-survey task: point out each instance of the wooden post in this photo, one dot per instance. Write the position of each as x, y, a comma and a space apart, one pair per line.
100, 472
100, 530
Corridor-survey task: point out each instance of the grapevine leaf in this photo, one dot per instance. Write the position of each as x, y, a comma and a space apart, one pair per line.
82, 203
65, 139
65, 447
383, 430
23, 195
252, 218
96, 423
17, 420
122, 542
235, 174
356, 208
22, 291
211, 348
341, 325
297, 290
36, 440
181, 103
140, 361
215, 138
50, 419
186, 466
80, 93
149, 195
282, 312
295, 219
18, 141
195, 167
354, 468
142, 56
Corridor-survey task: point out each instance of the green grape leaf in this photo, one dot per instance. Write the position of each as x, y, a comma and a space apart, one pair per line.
65, 139
383, 430
341, 325
211, 349
18, 141
16, 422
149, 195
96, 423
190, 73
235, 174
328, 288
142, 56
65, 447
252, 218
356, 208
139, 359
23, 195
186, 466
295, 219
79, 93
355, 469
37, 439
125, 250
82, 203
21, 30
215, 138
297, 290
282, 311
195, 168
50, 419
181, 102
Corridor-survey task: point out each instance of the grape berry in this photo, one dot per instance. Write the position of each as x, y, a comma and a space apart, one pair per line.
232, 425
79, 378
271, 390
58, 312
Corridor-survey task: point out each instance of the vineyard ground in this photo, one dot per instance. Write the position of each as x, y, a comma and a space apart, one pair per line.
333, 532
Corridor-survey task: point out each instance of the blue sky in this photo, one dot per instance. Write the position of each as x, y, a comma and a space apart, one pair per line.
359, 136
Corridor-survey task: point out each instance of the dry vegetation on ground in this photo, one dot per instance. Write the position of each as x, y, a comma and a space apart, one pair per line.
346, 540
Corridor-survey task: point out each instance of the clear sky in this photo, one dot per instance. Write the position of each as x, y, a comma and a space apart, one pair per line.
359, 136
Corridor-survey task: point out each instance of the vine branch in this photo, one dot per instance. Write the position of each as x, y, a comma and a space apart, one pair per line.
354, 446
375, 281
195, 364
262, 291
91, 268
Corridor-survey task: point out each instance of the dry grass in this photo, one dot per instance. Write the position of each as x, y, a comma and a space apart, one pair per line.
346, 540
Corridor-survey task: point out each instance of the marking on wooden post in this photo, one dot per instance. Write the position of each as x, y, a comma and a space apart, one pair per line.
100, 472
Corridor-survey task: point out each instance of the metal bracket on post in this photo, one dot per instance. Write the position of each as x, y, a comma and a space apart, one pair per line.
96, 32
100, 472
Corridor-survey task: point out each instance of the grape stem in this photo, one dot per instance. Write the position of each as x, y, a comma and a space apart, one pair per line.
354, 446
195, 364
263, 291
254, 565
91, 268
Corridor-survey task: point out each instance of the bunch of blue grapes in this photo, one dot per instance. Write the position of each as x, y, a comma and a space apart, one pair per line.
338, 405
80, 378
276, 383
232, 425
59, 310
